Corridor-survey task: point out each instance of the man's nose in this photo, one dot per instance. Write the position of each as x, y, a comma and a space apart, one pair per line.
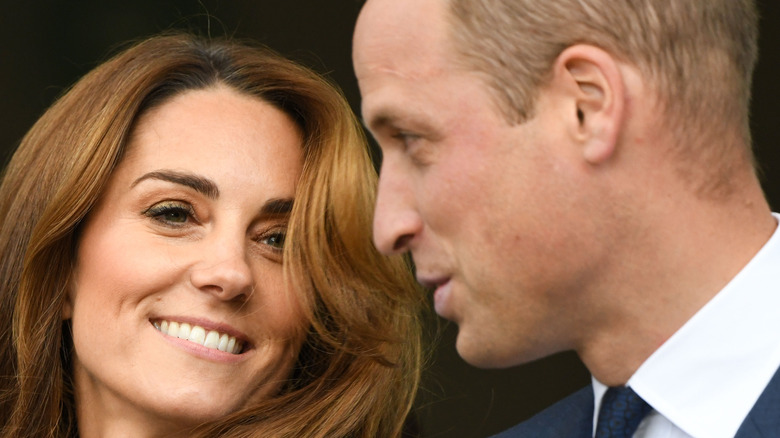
396, 220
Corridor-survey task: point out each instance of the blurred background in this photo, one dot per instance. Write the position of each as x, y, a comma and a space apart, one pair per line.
47, 45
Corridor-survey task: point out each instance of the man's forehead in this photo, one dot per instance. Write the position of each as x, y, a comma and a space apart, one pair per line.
404, 37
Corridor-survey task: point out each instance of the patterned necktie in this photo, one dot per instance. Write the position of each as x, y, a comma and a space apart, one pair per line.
621, 412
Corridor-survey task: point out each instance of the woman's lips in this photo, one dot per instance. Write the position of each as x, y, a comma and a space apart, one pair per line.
217, 342
212, 339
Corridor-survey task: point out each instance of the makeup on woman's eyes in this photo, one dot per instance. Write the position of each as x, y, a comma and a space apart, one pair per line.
178, 214
274, 239
171, 213
277, 211
270, 243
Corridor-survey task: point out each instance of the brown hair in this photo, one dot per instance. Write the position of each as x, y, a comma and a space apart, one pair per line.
699, 54
358, 370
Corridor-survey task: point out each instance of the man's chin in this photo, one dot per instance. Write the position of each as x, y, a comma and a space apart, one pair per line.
481, 353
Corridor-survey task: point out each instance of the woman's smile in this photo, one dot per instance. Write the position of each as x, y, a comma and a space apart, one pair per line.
185, 250
198, 335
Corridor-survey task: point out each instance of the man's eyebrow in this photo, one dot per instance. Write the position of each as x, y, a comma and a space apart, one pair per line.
195, 182
381, 119
277, 207
392, 118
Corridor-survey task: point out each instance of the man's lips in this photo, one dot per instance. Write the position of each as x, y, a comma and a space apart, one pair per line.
432, 282
441, 287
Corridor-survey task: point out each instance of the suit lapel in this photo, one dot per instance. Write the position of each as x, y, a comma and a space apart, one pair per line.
764, 419
571, 417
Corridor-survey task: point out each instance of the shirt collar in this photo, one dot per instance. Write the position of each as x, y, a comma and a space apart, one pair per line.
709, 374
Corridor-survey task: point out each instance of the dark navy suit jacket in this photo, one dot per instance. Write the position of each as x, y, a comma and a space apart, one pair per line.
572, 417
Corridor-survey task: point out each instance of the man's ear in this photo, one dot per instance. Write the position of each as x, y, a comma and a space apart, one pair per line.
594, 93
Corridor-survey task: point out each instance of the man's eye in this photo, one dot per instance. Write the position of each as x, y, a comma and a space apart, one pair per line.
173, 213
416, 147
406, 138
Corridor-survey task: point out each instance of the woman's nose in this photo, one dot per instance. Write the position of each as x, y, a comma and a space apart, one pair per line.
224, 270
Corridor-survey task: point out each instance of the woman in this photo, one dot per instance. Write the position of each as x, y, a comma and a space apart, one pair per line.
186, 250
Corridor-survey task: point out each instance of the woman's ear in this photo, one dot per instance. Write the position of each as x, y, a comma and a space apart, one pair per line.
590, 82
67, 303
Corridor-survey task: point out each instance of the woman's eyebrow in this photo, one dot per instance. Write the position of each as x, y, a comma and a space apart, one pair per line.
195, 182
277, 207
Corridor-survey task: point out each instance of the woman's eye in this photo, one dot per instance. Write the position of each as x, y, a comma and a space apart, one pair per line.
170, 212
275, 239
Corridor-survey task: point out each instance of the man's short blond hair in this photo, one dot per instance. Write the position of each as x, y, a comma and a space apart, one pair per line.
698, 54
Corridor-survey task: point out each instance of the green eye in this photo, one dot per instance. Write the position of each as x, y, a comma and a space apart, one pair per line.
170, 212
178, 216
275, 240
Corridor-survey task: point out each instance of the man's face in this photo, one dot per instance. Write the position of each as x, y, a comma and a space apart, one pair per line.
490, 211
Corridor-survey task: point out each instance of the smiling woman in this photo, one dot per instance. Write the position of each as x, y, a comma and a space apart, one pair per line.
186, 251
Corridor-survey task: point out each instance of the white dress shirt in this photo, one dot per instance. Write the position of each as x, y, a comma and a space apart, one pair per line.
704, 380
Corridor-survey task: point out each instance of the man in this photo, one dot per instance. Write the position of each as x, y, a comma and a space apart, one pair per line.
577, 175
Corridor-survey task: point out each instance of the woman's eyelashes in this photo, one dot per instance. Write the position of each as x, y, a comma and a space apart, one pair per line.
274, 238
171, 213
180, 214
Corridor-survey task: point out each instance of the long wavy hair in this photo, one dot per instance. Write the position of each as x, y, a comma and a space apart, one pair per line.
359, 368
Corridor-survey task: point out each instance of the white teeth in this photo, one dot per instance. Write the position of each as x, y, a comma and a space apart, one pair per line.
184, 331
198, 335
173, 329
223, 342
212, 340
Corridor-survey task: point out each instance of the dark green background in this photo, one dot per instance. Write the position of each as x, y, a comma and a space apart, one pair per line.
47, 45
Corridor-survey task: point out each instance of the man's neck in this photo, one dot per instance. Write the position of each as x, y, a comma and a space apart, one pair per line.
686, 252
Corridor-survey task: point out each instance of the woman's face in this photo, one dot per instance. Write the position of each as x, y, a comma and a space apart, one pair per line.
178, 308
